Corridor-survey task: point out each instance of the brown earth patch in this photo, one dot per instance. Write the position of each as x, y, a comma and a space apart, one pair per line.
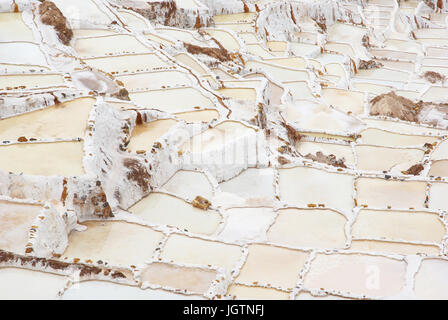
51, 15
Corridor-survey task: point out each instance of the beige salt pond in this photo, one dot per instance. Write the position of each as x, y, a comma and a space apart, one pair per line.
239, 93
387, 159
13, 28
215, 138
193, 280
108, 45
428, 285
242, 292
155, 80
235, 18
22, 53
389, 247
278, 73
66, 120
414, 226
263, 259
308, 228
103, 290
314, 187
339, 151
169, 99
25, 284
145, 135
347, 101
225, 38
188, 250
353, 272
197, 182
162, 209
31, 81
439, 169
389, 139
118, 243
46, 159
382, 193
16, 220
312, 116
127, 63
191, 62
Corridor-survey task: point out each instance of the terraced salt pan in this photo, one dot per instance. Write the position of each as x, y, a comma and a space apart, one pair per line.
303, 49
237, 27
15, 68
277, 45
308, 228
259, 51
168, 99
46, 159
388, 247
162, 209
182, 35
437, 198
187, 250
316, 187
108, 45
339, 32
340, 48
340, 151
278, 73
361, 275
215, 138
30, 81
154, 80
87, 33
118, 243
262, 259
242, 292
133, 20
404, 128
251, 188
390, 139
347, 101
235, 18
22, 53
197, 182
13, 28
102, 290
414, 226
381, 193
25, 284
191, 62
16, 220
198, 116
246, 224
127, 63
299, 90
373, 89
435, 94
387, 159
49, 123
190, 279
313, 116
439, 169
239, 93
225, 38
428, 285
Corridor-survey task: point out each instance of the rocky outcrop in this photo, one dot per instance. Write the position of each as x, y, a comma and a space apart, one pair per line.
394, 106
51, 15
